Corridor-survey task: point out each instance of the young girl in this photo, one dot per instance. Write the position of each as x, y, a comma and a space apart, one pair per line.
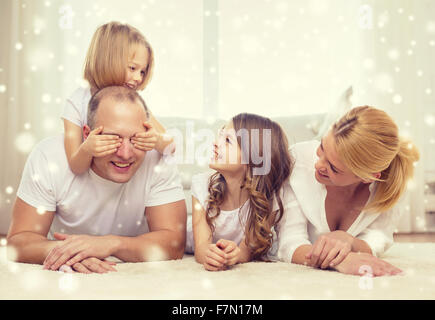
347, 186
118, 55
235, 208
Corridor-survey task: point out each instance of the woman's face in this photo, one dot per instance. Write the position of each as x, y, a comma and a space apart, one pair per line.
226, 151
330, 170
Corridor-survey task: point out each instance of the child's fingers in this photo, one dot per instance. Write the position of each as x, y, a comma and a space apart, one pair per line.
144, 146
143, 135
147, 125
215, 261
152, 139
104, 137
216, 257
96, 131
107, 143
105, 152
209, 267
216, 250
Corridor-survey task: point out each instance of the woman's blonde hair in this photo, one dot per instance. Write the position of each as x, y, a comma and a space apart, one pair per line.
262, 188
109, 53
367, 141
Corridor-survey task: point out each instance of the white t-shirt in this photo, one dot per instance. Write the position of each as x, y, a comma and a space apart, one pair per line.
307, 222
76, 107
229, 225
89, 204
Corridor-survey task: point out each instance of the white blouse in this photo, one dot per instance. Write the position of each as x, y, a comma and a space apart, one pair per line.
229, 225
307, 221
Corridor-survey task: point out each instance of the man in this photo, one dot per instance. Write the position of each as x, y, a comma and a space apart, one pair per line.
129, 205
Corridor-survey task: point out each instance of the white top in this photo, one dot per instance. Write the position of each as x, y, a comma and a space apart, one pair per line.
76, 107
89, 204
229, 225
308, 220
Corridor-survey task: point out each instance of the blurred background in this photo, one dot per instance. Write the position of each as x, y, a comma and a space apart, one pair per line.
216, 58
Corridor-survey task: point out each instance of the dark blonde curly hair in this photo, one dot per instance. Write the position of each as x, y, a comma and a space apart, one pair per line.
262, 188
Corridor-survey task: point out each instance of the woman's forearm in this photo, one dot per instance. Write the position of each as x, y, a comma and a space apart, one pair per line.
359, 245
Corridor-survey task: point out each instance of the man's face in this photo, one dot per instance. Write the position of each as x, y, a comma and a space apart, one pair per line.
123, 119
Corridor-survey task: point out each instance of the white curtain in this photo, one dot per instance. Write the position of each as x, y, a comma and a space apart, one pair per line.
217, 58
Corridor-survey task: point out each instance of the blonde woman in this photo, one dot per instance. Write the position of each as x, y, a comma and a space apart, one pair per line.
235, 208
119, 55
347, 186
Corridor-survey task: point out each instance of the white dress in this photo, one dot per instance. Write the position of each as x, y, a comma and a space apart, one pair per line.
306, 222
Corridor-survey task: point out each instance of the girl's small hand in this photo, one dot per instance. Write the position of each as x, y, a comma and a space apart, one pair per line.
100, 145
214, 258
145, 141
231, 249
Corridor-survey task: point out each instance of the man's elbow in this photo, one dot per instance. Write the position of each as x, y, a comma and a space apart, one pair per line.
12, 249
178, 248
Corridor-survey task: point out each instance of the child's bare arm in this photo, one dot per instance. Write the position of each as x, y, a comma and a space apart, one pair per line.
80, 154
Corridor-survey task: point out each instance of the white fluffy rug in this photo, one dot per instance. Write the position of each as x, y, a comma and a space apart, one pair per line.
186, 279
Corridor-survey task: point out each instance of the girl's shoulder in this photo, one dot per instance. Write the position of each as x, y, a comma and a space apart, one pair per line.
81, 95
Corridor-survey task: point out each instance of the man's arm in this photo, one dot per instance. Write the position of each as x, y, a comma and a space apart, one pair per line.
27, 235
166, 239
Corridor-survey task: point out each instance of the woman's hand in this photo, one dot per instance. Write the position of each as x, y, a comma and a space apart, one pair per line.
100, 145
231, 250
330, 249
359, 263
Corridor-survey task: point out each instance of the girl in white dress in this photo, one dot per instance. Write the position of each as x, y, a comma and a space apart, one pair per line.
347, 186
235, 208
119, 55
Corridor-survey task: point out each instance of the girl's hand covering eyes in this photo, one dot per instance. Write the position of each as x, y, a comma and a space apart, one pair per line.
147, 140
100, 145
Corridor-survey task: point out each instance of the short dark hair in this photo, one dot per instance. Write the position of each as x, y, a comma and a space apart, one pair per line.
117, 93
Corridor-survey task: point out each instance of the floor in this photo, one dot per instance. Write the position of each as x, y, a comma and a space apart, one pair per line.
414, 237
401, 237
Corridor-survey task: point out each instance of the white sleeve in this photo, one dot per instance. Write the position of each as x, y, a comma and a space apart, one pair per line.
166, 184
379, 234
292, 229
75, 108
36, 186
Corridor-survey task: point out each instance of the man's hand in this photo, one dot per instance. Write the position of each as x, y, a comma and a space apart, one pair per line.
89, 265
76, 248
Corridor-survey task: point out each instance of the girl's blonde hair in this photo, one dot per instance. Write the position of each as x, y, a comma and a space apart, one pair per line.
109, 52
262, 188
367, 141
